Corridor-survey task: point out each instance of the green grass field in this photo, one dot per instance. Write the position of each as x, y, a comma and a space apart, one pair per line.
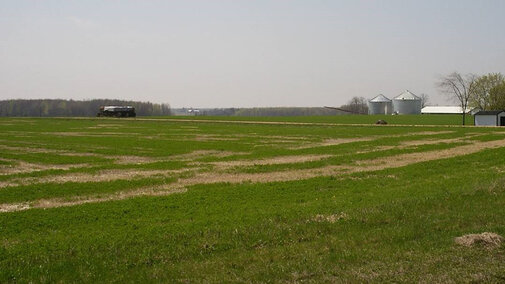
431, 119
300, 199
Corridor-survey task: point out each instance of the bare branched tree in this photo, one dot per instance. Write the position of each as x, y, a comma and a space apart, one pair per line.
459, 88
357, 105
424, 99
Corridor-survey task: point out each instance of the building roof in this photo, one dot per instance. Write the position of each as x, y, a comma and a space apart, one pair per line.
443, 109
380, 99
117, 108
407, 95
489, 112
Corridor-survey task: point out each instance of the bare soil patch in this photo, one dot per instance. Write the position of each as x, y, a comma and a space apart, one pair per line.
486, 239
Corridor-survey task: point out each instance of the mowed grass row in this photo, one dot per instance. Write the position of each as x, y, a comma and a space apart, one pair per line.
396, 224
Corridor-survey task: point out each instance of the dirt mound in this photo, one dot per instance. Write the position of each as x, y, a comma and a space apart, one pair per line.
486, 239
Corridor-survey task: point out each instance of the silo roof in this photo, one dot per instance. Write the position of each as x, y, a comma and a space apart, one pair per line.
407, 95
380, 99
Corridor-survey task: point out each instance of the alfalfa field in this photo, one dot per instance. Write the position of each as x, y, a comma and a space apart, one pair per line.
262, 200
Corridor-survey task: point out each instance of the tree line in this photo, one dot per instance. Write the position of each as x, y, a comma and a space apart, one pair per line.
58, 107
258, 111
357, 105
485, 92
285, 111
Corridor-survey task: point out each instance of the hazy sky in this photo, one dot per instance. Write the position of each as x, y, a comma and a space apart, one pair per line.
243, 53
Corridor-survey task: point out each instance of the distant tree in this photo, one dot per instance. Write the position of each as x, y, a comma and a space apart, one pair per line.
481, 96
356, 105
459, 88
273, 111
44, 108
425, 99
497, 97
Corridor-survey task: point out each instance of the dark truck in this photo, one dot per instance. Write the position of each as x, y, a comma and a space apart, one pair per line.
116, 111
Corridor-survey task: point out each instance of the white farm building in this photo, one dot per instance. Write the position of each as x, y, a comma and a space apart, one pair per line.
490, 118
443, 110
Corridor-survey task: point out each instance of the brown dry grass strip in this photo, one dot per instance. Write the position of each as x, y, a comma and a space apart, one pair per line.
333, 142
25, 167
430, 142
118, 159
110, 175
338, 141
30, 149
102, 176
91, 134
53, 203
130, 174
272, 161
411, 158
205, 153
212, 137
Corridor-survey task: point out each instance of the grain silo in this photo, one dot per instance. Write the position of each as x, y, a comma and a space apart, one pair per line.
407, 103
380, 105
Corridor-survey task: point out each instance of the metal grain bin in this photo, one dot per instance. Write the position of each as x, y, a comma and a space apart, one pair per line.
380, 105
407, 103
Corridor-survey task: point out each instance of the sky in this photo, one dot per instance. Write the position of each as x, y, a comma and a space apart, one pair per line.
244, 53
